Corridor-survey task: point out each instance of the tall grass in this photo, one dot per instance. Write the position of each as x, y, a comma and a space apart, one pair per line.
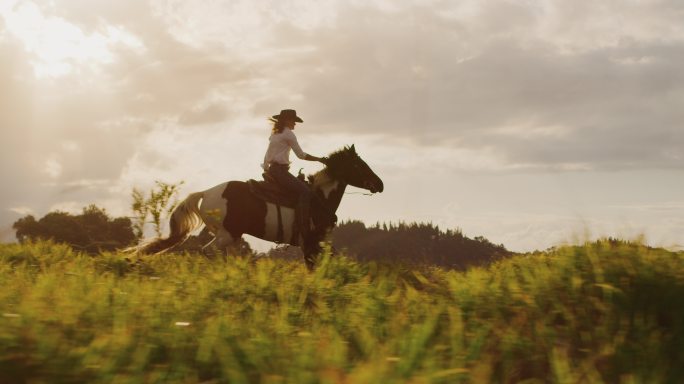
603, 312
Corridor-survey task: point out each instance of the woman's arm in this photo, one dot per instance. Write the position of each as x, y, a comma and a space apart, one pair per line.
294, 144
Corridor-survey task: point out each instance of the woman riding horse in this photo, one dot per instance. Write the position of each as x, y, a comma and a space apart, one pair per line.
231, 209
277, 163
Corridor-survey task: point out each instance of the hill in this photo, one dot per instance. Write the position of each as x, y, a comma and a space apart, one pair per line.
603, 312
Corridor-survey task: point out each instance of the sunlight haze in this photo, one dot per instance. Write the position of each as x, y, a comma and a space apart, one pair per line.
529, 123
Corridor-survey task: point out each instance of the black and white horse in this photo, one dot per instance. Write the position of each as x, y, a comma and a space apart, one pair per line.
230, 209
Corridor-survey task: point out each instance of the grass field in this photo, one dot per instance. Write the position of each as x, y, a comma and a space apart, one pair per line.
603, 312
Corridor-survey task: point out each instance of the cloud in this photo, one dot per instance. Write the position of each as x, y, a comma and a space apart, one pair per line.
473, 76
616, 104
22, 210
87, 124
213, 113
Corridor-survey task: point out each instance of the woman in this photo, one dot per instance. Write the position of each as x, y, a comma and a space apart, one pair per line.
277, 165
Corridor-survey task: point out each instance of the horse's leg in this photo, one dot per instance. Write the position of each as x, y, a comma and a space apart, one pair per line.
224, 241
309, 259
207, 245
311, 250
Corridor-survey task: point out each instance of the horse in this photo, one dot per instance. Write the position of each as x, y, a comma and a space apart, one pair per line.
231, 209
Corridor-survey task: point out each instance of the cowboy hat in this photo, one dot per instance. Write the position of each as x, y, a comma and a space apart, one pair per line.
288, 114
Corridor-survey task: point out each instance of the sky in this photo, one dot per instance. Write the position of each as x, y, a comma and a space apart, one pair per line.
532, 123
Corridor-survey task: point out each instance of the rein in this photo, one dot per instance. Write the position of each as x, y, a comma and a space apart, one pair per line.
353, 193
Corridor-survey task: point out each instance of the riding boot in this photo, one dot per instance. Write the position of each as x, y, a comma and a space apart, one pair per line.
303, 217
323, 217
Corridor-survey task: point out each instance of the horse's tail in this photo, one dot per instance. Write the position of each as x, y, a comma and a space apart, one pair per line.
184, 219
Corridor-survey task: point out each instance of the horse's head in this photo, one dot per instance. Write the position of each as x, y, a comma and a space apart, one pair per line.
346, 165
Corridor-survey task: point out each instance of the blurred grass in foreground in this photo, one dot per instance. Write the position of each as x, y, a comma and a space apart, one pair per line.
603, 312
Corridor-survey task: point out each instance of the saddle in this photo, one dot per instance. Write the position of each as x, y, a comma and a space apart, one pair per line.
269, 191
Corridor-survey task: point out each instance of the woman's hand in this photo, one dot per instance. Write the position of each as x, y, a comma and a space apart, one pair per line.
323, 160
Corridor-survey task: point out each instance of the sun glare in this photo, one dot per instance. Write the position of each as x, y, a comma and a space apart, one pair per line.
58, 47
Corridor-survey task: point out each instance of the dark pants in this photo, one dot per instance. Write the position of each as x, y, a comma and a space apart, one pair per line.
290, 183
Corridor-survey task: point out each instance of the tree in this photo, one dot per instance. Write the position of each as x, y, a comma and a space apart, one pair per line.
26, 228
414, 243
91, 231
159, 202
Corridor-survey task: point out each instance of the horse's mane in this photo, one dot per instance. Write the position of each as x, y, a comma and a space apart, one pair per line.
336, 162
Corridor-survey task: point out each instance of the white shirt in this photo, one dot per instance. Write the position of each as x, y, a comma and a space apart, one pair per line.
279, 148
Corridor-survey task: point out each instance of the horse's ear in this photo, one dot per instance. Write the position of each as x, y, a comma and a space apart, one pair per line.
352, 148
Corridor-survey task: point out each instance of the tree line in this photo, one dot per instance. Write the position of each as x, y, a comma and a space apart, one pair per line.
93, 231
415, 243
